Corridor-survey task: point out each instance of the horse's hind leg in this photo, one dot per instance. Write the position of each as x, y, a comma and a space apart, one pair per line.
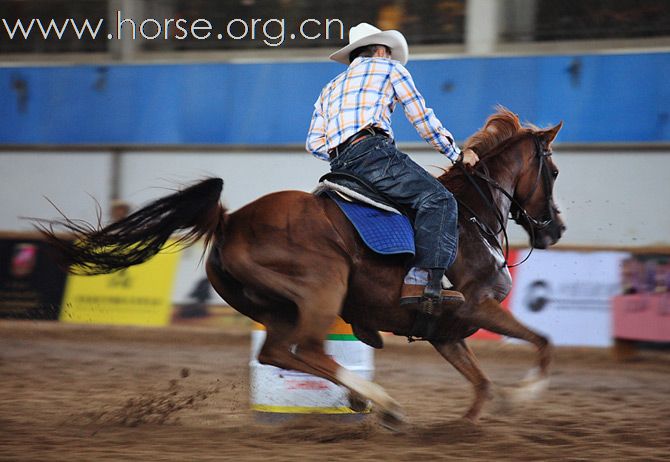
301, 347
463, 359
280, 330
318, 312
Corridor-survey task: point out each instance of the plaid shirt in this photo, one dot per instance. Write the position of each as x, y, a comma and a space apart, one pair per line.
365, 95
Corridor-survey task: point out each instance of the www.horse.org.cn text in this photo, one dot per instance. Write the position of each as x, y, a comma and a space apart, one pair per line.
270, 31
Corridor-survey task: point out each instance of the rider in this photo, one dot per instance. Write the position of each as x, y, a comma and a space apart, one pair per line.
351, 128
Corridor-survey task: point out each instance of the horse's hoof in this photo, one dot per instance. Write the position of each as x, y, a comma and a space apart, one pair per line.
359, 404
392, 419
533, 385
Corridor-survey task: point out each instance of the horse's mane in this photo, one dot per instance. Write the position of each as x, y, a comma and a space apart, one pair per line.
499, 127
499, 130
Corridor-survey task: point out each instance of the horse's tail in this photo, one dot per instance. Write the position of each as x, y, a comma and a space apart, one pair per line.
141, 235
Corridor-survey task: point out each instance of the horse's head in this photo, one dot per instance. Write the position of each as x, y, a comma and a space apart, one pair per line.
516, 161
535, 208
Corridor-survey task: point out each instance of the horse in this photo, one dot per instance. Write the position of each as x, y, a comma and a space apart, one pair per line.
293, 262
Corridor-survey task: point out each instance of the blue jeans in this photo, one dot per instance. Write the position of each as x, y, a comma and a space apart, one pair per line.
395, 175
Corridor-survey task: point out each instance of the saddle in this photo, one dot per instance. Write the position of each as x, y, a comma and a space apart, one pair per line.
354, 188
380, 222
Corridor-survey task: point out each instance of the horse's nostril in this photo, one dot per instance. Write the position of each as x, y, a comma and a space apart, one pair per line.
563, 228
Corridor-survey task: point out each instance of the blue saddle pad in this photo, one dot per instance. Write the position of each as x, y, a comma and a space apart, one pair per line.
386, 233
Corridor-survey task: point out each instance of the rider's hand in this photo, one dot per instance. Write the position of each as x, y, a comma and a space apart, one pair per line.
469, 157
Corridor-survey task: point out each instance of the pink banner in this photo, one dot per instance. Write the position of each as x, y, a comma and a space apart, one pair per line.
642, 317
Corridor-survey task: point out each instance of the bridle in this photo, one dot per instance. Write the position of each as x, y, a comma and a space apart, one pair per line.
518, 211
544, 175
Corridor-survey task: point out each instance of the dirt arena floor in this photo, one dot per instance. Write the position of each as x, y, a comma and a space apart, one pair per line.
102, 393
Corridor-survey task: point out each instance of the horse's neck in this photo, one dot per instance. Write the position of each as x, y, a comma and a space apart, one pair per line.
495, 215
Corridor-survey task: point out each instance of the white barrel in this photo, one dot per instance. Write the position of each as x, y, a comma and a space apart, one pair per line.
278, 392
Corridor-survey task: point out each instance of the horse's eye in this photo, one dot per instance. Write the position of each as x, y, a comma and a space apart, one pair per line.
554, 173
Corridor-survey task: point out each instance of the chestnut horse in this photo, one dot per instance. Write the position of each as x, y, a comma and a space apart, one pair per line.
291, 260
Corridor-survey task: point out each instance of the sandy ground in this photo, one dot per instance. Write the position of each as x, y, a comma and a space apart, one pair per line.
103, 393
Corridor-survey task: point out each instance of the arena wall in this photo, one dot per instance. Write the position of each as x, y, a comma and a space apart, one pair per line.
70, 179
611, 197
600, 97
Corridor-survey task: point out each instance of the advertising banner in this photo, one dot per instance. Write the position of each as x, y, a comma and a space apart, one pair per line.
567, 295
642, 317
139, 295
31, 284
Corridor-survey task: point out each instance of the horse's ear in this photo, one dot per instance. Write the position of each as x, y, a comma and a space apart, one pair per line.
550, 133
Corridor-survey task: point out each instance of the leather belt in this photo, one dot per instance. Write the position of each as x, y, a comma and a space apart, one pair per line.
355, 138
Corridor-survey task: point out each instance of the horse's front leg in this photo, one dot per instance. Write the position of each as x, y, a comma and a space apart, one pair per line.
490, 315
460, 356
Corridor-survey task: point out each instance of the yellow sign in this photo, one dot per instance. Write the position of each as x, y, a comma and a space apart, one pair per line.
140, 295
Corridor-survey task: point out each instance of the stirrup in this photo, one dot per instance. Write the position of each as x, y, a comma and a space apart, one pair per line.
425, 323
428, 311
430, 306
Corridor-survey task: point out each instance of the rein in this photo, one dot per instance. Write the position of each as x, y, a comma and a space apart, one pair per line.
517, 210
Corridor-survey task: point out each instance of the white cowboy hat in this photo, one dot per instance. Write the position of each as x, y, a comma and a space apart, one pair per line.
367, 34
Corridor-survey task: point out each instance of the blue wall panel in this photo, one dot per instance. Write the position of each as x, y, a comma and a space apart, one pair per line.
599, 97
